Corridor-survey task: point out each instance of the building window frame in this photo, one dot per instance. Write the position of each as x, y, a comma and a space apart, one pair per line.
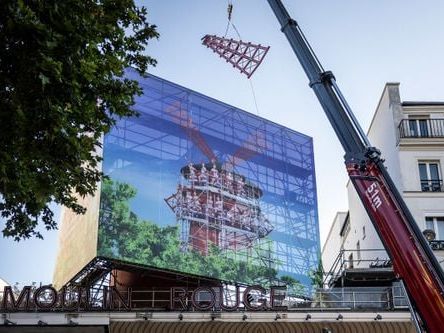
419, 127
430, 178
350, 261
345, 229
431, 222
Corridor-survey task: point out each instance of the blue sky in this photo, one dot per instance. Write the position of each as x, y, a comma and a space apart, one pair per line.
365, 44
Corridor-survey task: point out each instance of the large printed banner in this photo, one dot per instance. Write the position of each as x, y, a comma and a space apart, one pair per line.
198, 186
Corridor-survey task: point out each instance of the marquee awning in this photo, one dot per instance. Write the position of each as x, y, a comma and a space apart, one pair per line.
266, 327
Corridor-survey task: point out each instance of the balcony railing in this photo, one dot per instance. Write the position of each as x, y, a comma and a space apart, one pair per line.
361, 298
421, 128
437, 245
432, 185
356, 258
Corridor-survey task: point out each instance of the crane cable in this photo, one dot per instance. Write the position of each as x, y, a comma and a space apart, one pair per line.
229, 22
229, 12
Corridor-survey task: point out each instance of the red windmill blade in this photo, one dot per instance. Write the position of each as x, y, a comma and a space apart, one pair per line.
181, 117
244, 56
255, 144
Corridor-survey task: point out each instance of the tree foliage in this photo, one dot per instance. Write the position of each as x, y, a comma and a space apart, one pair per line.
317, 275
61, 87
294, 286
123, 235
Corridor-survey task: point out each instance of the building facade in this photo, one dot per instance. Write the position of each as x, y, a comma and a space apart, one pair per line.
410, 136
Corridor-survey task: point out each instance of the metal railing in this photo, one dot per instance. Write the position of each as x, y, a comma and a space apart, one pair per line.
352, 298
432, 185
356, 259
421, 128
437, 245
361, 298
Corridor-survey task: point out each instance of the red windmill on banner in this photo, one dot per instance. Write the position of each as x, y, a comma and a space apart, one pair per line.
213, 204
245, 56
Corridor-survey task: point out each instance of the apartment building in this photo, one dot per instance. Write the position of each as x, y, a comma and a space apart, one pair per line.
410, 136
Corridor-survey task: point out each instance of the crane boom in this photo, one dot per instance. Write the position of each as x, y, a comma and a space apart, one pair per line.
413, 260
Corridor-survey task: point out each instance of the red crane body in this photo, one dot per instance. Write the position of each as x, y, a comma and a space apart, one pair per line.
409, 261
413, 259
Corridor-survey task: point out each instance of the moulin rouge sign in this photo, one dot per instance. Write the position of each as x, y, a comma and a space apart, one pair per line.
46, 298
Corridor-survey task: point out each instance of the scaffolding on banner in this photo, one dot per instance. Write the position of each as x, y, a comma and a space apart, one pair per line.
217, 207
178, 127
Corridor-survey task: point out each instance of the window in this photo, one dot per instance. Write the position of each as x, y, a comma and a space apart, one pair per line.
358, 250
346, 227
430, 176
436, 223
418, 128
363, 232
350, 261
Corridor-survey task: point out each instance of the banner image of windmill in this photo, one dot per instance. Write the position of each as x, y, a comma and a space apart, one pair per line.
198, 186
213, 204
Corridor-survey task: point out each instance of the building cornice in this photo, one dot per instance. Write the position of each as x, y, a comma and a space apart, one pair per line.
423, 144
415, 103
423, 195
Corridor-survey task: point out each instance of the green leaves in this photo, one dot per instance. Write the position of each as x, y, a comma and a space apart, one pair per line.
58, 59
44, 79
317, 275
124, 236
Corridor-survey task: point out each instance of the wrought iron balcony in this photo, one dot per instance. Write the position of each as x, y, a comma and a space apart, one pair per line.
421, 128
437, 245
432, 185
